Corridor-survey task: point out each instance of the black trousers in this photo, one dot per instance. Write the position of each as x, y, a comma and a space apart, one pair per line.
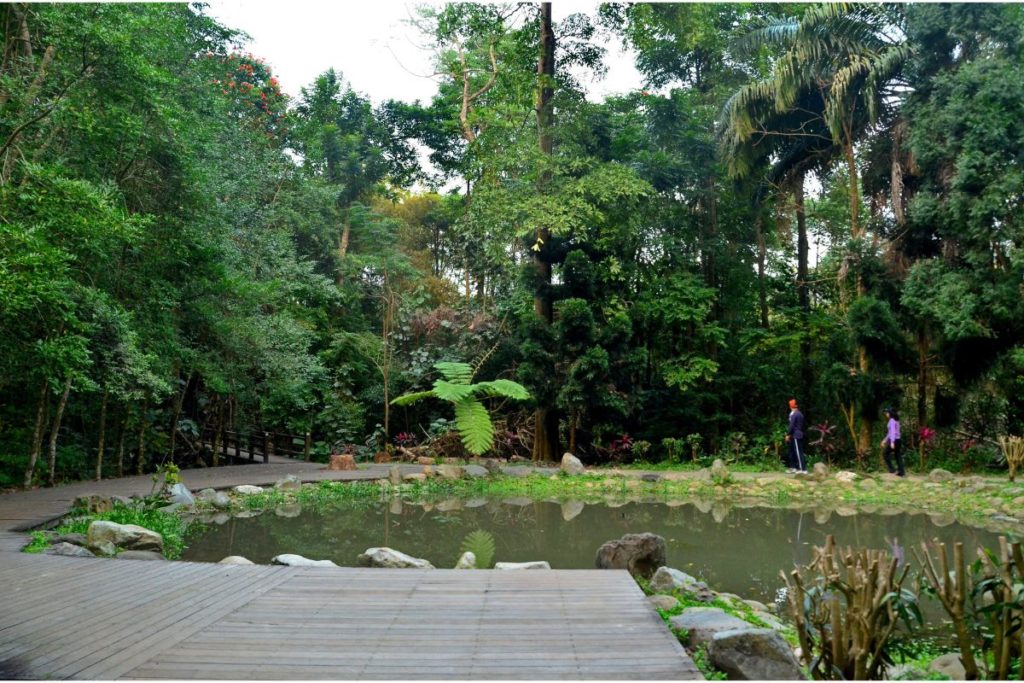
894, 451
797, 455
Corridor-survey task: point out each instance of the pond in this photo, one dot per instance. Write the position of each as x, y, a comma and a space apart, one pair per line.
738, 550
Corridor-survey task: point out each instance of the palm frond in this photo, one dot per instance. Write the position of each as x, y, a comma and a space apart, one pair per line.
454, 372
449, 391
474, 426
409, 399
502, 388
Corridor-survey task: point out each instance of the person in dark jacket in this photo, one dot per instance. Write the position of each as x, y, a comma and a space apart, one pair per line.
892, 444
795, 439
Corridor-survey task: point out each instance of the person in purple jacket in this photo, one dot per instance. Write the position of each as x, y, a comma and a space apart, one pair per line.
795, 439
891, 443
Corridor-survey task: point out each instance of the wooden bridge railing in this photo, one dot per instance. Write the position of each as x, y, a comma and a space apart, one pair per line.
242, 445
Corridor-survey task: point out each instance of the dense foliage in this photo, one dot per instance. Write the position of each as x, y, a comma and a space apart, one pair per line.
820, 201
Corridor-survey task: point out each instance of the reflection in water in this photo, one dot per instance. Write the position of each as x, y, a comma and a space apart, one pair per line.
736, 550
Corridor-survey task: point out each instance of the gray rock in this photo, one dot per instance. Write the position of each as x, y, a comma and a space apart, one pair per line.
221, 518
103, 548
571, 464
846, 477
719, 472
819, 472
702, 623
220, 500
754, 654
206, 494
140, 555
773, 622
492, 466
127, 536
415, 476
641, 554
392, 559
179, 493
288, 483
450, 472
651, 477
666, 580
475, 503
939, 475
172, 508
572, 509
290, 560
235, 559
663, 602
246, 514
950, 665
73, 539
93, 503
395, 475
869, 484
537, 564
68, 550
247, 489
467, 561
756, 606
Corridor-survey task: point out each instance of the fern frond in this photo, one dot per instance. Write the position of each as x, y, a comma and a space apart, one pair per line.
409, 399
502, 388
448, 391
456, 373
474, 425
481, 544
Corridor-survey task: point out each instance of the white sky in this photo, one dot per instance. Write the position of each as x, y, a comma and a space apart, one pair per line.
372, 44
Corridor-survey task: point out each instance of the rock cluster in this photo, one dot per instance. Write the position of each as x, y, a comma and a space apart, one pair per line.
641, 554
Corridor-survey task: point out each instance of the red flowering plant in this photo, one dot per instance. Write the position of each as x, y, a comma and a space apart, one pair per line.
254, 91
405, 439
621, 447
825, 444
925, 443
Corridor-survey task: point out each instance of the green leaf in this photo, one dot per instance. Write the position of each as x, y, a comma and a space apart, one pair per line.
409, 399
456, 373
446, 391
481, 544
504, 388
474, 425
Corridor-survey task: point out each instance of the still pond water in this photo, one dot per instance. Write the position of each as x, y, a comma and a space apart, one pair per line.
737, 550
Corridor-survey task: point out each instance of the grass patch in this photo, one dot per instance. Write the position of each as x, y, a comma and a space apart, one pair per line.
168, 525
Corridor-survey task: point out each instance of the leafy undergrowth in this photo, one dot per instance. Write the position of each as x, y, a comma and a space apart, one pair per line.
170, 526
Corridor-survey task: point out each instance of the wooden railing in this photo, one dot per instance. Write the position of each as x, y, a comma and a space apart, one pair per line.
264, 445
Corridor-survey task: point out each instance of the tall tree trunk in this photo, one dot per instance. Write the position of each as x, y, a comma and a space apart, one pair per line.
545, 435
851, 167
922, 376
141, 455
120, 446
37, 436
346, 235
101, 446
801, 284
55, 430
218, 433
762, 254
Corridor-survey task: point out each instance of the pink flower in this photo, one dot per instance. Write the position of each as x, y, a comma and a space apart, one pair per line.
927, 434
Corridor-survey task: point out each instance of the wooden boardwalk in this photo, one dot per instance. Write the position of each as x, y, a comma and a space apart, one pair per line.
85, 618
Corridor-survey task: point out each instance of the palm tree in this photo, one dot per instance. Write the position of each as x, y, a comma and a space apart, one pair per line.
840, 69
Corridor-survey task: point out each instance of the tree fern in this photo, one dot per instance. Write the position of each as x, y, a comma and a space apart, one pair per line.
472, 420
481, 544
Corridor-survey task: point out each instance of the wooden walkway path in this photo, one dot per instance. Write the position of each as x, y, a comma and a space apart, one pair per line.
85, 618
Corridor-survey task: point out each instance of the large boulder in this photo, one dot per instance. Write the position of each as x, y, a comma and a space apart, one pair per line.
126, 536
702, 623
571, 464
538, 564
666, 580
467, 561
950, 665
68, 550
754, 654
641, 554
220, 500
939, 475
663, 602
235, 559
290, 560
288, 483
344, 462
73, 539
391, 559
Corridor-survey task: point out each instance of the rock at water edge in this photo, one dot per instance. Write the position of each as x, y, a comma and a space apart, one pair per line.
702, 623
289, 483
140, 555
180, 494
68, 550
950, 665
127, 536
248, 489
290, 560
571, 464
235, 559
663, 602
819, 472
754, 654
391, 559
641, 554
666, 580
467, 561
507, 566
